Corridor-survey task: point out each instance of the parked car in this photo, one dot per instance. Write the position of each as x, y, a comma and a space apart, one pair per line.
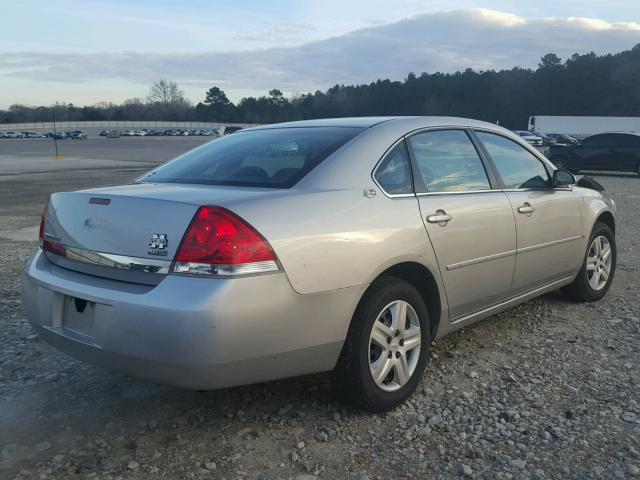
103, 133
32, 135
616, 151
227, 130
77, 135
561, 139
240, 262
530, 137
113, 134
12, 135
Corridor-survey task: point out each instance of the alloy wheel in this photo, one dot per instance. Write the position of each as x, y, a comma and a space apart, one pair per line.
394, 346
599, 262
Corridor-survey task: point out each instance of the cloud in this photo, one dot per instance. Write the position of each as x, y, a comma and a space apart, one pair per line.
446, 41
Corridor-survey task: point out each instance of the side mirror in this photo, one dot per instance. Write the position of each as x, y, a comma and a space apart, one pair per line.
563, 178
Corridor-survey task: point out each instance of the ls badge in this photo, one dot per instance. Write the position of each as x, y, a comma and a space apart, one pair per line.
158, 244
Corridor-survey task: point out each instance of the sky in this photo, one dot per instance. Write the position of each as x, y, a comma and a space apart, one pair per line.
89, 51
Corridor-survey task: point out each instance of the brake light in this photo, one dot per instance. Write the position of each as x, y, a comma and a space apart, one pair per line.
41, 232
218, 242
48, 245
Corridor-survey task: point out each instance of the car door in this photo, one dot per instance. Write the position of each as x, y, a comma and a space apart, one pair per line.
470, 224
548, 220
594, 153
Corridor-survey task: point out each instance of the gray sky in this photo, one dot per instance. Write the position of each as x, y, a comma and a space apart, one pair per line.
93, 51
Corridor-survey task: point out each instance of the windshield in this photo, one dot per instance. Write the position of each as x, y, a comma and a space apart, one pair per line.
276, 158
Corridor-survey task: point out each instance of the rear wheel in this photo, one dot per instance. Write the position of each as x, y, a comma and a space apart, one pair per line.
599, 266
387, 347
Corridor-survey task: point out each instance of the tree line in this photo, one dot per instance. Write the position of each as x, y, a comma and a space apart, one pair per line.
587, 84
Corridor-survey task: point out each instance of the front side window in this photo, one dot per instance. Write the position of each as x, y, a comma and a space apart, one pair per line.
597, 141
276, 158
447, 161
394, 173
517, 166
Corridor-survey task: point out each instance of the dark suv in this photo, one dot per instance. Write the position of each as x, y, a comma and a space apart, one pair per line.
618, 152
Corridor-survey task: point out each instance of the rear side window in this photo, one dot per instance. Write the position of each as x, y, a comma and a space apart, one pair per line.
447, 161
517, 166
394, 172
276, 158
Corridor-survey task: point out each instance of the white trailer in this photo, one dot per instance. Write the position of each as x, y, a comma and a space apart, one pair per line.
581, 126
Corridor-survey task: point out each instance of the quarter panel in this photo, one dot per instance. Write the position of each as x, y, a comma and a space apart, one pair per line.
327, 240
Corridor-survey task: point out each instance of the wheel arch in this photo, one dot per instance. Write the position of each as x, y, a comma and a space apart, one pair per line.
608, 219
423, 280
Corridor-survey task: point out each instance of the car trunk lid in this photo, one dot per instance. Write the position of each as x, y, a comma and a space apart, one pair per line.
130, 232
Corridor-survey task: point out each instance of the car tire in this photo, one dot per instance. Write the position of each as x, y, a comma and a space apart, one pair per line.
583, 288
353, 376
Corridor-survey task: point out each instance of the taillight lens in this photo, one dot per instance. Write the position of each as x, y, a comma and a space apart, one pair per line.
41, 232
218, 242
48, 245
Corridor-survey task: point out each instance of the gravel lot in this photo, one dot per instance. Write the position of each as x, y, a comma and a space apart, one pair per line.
549, 389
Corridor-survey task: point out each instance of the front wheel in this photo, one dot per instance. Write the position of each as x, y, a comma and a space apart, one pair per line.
598, 268
387, 347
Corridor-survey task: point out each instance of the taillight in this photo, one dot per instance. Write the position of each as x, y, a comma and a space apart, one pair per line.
218, 242
41, 232
48, 245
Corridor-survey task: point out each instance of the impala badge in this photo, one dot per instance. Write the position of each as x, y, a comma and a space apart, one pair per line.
158, 244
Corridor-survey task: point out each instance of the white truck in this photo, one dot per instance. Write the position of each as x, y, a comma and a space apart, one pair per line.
582, 126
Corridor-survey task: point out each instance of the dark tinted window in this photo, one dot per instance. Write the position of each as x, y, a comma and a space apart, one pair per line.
518, 167
394, 172
448, 161
259, 158
623, 140
598, 141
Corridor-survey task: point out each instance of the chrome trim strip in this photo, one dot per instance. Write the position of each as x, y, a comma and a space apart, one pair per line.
488, 258
121, 262
475, 261
458, 192
515, 299
549, 244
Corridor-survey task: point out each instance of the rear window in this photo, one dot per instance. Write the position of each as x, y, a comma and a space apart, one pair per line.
275, 158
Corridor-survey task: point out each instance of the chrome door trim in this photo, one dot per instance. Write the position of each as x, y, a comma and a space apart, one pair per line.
497, 256
549, 244
120, 262
514, 300
457, 192
475, 261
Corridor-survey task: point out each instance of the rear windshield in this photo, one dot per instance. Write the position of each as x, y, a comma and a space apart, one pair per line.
276, 158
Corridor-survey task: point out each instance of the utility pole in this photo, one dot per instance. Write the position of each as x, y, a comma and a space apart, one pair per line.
55, 137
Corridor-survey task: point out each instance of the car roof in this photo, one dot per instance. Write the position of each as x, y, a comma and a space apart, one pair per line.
368, 122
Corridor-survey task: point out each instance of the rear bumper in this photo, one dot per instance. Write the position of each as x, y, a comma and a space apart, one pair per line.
198, 333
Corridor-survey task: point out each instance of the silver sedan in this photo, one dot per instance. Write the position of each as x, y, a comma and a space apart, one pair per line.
343, 245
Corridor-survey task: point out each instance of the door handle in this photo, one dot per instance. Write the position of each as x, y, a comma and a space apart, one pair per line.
441, 218
526, 208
